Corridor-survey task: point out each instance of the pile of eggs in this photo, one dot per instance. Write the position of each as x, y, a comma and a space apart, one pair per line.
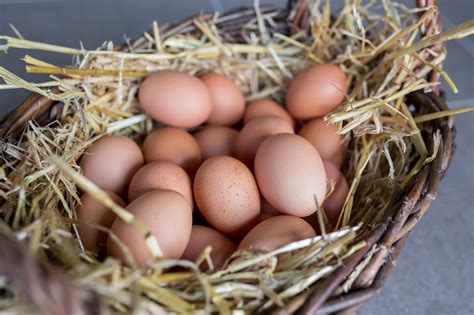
244, 180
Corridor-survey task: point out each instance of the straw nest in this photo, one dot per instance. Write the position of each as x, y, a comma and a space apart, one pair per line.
377, 46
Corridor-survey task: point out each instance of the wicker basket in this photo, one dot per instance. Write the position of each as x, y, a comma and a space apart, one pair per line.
51, 292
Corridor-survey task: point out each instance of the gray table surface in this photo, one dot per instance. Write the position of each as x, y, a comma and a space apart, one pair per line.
435, 272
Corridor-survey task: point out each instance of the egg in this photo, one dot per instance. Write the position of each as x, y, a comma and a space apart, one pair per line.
216, 140
173, 145
228, 102
176, 99
93, 211
201, 237
266, 210
227, 195
335, 201
324, 137
290, 174
161, 175
276, 232
111, 163
168, 217
266, 107
316, 91
254, 133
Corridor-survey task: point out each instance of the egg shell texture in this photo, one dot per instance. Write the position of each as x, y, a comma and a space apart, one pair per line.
316, 91
276, 232
227, 195
176, 99
228, 102
324, 137
266, 107
111, 163
93, 211
290, 173
203, 236
254, 133
166, 214
161, 175
173, 145
216, 140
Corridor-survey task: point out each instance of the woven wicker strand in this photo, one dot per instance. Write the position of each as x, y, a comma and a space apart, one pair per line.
51, 292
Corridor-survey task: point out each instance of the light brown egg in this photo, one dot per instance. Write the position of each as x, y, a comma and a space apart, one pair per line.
201, 237
227, 195
316, 91
161, 175
276, 232
324, 137
228, 102
173, 145
166, 214
176, 99
266, 107
290, 174
111, 163
91, 210
216, 140
335, 201
254, 133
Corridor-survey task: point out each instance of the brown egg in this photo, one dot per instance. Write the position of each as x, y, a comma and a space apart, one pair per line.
324, 137
228, 102
227, 195
201, 237
176, 99
111, 163
254, 133
316, 91
290, 174
91, 210
266, 107
335, 201
161, 175
166, 214
173, 145
267, 208
216, 140
276, 232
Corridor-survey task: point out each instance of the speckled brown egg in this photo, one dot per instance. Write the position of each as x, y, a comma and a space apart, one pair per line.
335, 201
201, 237
111, 163
227, 195
266, 107
254, 133
324, 137
176, 99
161, 175
316, 91
173, 145
290, 174
276, 232
216, 140
92, 211
166, 214
228, 102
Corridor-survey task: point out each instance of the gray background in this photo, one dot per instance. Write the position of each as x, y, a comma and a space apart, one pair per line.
435, 273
